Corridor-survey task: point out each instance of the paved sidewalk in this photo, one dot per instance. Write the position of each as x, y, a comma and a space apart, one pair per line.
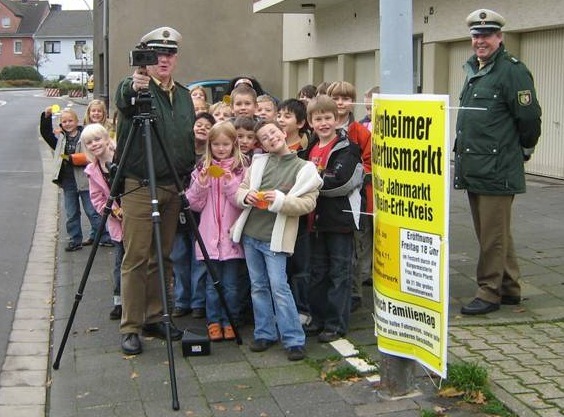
522, 346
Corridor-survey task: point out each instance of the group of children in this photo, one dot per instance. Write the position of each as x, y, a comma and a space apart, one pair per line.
279, 190
283, 187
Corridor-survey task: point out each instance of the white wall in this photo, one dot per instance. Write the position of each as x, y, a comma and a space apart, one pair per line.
60, 64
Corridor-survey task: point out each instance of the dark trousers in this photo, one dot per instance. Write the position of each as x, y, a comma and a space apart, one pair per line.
331, 279
298, 270
497, 272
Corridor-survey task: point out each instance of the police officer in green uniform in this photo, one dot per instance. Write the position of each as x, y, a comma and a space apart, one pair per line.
495, 135
174, 123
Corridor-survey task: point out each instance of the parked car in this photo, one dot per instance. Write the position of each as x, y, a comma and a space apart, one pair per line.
215, 88
90, 84
77, 77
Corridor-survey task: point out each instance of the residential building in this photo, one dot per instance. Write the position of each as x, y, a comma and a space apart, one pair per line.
326, 40
64, 40
19, 21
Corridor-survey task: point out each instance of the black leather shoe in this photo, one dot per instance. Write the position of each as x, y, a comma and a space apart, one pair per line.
180, 311
73, 247
260, 345
158, 330
479, 306
130, 344
312, 329
328, 337
115, 314
510, 300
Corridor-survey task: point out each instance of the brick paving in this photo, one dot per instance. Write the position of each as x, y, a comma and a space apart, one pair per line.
521, 346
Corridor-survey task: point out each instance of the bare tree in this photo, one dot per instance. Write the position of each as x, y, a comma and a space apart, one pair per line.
36, 57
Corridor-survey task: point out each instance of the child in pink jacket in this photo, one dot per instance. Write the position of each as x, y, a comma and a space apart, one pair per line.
100, 152
212, 192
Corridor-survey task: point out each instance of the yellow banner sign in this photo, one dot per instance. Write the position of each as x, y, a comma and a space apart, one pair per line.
411, 179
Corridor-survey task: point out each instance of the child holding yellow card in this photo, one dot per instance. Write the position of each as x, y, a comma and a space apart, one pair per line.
212, 193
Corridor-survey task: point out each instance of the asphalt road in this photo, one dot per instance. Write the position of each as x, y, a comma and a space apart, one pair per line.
20, 188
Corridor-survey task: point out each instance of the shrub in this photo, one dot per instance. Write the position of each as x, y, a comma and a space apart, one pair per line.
21, 83
20, 73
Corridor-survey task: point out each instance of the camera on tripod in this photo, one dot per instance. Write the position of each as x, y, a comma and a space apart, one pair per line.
142, 56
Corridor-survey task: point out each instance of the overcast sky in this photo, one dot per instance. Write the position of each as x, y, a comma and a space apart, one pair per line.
73, 4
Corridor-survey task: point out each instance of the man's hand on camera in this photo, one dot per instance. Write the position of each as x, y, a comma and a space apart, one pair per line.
140, 80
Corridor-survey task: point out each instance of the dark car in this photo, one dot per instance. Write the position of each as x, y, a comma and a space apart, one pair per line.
215, 89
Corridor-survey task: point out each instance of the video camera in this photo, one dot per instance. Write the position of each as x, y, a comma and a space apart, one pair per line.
141, 56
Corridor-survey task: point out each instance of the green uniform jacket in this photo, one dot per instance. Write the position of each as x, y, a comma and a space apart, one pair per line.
490, 143
174, 124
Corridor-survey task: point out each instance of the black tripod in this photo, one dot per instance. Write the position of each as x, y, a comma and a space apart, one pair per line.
144, 120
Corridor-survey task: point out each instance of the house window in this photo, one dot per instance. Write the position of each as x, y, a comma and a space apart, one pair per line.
6, 22
52, 47
17, 47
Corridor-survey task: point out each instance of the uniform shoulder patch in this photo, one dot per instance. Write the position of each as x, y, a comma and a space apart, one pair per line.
524, 97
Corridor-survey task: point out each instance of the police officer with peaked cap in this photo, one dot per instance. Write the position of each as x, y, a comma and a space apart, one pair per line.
173, 124
497, 129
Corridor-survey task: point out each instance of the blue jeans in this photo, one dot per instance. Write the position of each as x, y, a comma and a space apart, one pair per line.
119, 251
189, 273
331, 280
72, 198
227, 275
273, 303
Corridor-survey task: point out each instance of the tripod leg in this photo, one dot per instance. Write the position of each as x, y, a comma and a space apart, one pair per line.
80, 291
194, 227
160, 258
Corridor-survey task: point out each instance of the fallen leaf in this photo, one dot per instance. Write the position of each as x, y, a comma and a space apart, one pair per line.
519, 310
450, 392
263, 415
215, 171
220, 408
189, 413
478, 397
238, 407
441, 411
134, 375
242, 386
92, 329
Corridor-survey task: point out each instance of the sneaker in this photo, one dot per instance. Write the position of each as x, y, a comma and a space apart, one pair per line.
180, 311
228, 333
88, 242
71, 247
214, 332
115, 314
260, 345
198, 313
328, 337
305, 319
295, 353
